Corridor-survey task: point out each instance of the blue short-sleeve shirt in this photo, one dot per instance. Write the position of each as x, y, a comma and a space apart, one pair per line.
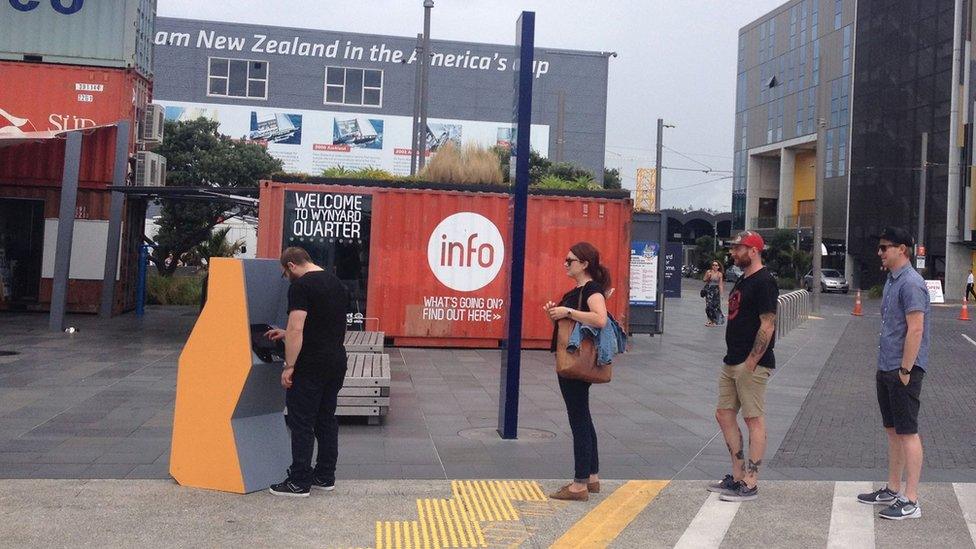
904, 292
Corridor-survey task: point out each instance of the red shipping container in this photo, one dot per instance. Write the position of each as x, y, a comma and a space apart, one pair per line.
45, 97
437, 258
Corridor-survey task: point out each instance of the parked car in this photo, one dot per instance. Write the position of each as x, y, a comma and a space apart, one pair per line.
733, 273
833, 281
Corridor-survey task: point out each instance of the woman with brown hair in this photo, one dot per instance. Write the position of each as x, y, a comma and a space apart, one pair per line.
586, 304
714, 288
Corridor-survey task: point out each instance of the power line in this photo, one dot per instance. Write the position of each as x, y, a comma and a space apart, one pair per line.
686, 157
696, 184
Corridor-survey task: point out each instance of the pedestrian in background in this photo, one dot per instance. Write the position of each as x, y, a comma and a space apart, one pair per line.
714, 289
903, 353
969, 286
315, 368
749, 362
585, 303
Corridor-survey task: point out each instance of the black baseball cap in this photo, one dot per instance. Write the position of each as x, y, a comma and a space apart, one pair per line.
897, 235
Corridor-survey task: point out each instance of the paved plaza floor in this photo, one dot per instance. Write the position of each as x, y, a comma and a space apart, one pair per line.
98, 404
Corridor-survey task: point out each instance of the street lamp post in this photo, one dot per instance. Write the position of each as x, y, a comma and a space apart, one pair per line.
424, 81
664, 223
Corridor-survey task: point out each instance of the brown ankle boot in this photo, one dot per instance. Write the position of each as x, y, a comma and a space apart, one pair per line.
565, 494
593, 487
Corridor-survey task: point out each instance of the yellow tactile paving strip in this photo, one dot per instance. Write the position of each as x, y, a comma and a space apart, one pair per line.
457, 522
608, 519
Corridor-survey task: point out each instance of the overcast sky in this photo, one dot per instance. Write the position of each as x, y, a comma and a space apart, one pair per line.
676, 60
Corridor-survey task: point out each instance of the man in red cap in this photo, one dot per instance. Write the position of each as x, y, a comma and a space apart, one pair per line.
749, 362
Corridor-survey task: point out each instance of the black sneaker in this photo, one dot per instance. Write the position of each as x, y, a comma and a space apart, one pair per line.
725, 486
322, 484
741, 493
883, 496
289, 489
901, 509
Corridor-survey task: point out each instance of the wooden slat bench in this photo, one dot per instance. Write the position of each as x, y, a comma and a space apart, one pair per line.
364, 342
366, 390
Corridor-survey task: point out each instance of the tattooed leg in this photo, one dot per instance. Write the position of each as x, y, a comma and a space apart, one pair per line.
757, 447
733, 441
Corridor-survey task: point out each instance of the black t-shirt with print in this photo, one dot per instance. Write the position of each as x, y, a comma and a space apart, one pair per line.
326, 301
751, 297
572, 300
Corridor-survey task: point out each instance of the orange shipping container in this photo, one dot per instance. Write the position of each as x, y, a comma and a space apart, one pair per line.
45, 97
434, 260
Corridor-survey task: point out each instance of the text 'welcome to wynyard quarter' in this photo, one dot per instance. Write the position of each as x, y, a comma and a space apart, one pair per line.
318, 215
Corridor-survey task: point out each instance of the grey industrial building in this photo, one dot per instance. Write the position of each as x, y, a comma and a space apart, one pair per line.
323, 98
877, 74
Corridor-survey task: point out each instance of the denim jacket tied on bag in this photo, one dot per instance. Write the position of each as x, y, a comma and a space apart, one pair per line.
611, 340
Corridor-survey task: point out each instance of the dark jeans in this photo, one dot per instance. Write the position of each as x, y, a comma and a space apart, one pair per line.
576, 395
311, 405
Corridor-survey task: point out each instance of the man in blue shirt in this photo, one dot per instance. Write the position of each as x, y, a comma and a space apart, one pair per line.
903, 354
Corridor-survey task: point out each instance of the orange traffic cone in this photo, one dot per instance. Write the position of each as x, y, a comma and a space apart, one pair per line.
857, 305
964, 313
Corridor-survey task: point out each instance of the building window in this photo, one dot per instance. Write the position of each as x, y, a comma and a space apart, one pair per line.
237, 78
815, 20
742, 48
793, 22
350, 86
811, 104
771, 39
800, 112
803, 22
762, 42
847, 50
841, 150
816, 62
803, 66
829, 159
770, 121
744, 131
838, 8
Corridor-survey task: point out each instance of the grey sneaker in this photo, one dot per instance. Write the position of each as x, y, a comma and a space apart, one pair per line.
883, 496
725, 486
741, 493
901, 509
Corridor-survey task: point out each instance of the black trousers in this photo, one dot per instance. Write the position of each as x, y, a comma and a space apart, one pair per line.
311, 405
969, 291
576, 395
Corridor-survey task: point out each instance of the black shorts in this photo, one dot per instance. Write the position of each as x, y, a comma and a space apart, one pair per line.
899, 402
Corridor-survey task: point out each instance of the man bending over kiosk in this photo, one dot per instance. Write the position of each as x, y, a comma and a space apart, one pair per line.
315, 367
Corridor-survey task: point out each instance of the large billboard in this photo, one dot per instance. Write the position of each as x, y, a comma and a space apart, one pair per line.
309, 141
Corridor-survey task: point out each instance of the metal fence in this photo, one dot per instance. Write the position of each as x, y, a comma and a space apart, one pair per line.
792, 310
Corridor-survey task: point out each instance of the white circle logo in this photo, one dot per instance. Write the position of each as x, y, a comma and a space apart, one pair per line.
465, 251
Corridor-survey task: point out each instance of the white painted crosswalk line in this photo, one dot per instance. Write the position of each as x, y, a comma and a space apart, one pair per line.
851, 522
966, 495
709, 526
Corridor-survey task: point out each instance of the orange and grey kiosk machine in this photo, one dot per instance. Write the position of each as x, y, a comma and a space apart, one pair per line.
229, 428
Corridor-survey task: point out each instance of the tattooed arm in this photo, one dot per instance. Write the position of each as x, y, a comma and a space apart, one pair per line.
767, 325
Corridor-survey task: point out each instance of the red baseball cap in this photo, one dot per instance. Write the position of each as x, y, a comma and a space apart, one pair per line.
750, 239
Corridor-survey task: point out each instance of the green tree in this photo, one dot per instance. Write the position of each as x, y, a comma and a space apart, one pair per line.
611, 179
706, 252
197, 155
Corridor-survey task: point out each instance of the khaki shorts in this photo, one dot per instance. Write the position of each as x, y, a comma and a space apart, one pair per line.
740, 388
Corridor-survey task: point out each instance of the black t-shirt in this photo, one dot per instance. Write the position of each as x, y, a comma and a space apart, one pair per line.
572, 300
326, 301
749, 298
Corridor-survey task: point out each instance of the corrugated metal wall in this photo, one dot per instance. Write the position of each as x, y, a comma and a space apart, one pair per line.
103, 33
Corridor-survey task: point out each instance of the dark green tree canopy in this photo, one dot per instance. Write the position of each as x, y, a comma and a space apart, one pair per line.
197, 155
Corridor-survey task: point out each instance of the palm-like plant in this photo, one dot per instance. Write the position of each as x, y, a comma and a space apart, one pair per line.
216, 245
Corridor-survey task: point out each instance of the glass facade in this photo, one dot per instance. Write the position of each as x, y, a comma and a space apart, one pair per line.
778, 92
902, 79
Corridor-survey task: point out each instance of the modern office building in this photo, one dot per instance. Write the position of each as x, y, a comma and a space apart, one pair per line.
853, 86
320, 99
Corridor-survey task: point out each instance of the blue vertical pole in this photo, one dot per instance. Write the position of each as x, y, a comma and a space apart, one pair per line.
141, 281
512, 344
